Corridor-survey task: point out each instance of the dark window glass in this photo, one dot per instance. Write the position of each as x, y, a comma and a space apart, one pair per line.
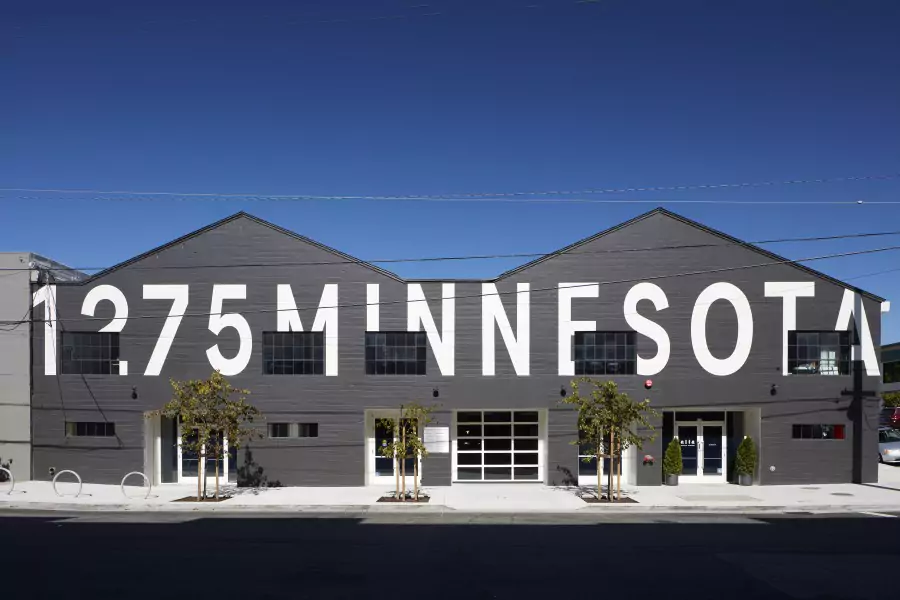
526, 417
469, 473
819, 352
526, 445
497, 473
497, 430
497, 444
468, 417
818, 432
279, 430
526, 473
395, 353
497, 417
468, 444
308, 430
90, 353
526, 430
293, 353
90, 429
892, 372
605, 353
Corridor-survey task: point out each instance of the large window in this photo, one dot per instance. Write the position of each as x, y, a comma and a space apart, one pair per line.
497, 445
90, 353
395, 353
818, 432
293, 353
819, 352
605, 353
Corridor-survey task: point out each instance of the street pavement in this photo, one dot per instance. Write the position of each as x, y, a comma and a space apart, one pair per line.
426, 555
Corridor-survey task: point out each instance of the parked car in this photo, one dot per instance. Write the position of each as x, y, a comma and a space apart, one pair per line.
890, 417
888, 445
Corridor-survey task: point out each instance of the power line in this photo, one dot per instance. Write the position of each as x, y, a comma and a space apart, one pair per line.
495, 196
506, 293
820, 238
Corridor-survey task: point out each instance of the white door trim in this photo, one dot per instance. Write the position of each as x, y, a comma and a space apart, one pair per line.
371, 477
697, 477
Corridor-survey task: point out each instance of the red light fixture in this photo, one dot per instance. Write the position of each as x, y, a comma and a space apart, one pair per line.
648, 384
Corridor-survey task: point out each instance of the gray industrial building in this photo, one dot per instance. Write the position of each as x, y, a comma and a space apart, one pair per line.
726, 340
17, 272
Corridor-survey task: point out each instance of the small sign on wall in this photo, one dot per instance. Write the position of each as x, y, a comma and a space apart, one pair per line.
437, 440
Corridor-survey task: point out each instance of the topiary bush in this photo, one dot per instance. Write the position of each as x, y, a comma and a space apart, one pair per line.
672, 459
745, 463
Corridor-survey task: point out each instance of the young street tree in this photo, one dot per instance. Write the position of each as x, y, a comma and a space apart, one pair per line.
609, 422
405, 443
210, 416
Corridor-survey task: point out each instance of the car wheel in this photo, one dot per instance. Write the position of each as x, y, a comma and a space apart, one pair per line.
881, 460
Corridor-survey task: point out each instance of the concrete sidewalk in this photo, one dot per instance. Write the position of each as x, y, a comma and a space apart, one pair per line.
472, 498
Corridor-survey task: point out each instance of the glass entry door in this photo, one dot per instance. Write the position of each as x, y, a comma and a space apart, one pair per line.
382, 469
702, 451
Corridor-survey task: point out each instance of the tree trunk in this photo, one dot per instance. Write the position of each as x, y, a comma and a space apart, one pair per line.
619, 474
599, 476
396, 456
403, 458
217, 473
612, 462
199, 475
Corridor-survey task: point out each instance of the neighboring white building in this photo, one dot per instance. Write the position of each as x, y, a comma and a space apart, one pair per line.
17, 271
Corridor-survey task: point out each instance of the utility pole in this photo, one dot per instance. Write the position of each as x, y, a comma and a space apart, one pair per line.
857, 410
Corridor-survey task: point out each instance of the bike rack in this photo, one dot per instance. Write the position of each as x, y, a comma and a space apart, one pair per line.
77, 476
146, 480
12, 480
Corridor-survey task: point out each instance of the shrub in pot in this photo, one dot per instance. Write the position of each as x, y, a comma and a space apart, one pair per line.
745, 463
672, 462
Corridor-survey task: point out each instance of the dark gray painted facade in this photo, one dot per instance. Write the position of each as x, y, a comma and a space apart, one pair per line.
338, 404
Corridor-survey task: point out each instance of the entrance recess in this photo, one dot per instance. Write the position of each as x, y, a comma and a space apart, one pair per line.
381, 470
703, 451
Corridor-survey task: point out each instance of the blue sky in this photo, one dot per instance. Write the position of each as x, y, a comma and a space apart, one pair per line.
382, 97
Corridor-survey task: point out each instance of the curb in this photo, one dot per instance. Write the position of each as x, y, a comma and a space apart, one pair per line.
363, 510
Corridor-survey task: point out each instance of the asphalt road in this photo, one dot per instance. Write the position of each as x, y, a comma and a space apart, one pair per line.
463, 557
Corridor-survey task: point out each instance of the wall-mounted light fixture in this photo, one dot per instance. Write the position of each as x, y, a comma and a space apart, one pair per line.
435, 392
134, 393
562, 392
773, 390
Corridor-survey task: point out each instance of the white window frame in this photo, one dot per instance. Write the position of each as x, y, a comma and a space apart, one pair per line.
371, 477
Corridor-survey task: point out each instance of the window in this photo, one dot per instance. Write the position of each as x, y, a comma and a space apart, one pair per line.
818, 432
892, 372
90, 429
395, 353
587, 456
293, 430
819, 352
497, 445
307, 430
605, 353
279, 430
293, 353
90, 353
888, 436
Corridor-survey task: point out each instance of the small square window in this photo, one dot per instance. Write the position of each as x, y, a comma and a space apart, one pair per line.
279, 430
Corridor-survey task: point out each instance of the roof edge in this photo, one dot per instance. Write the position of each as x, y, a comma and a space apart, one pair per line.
238, 215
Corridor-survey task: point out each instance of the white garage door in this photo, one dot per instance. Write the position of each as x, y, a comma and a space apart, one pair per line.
498, 445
